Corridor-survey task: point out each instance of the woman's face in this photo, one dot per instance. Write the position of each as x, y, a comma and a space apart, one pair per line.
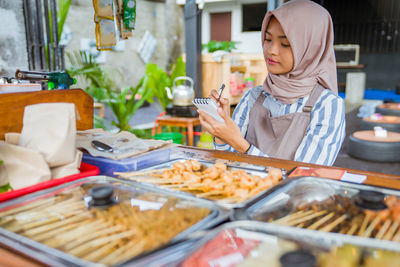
277, 48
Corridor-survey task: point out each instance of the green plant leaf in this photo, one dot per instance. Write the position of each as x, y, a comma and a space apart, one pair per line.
213, 46
62, 12
5, 188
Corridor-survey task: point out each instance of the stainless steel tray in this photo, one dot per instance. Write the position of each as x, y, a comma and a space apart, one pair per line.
313, 241
56, 257
257, 170
304, 191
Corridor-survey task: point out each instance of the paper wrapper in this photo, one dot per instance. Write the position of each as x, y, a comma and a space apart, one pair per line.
68, 169
23, 166
124, 144
50, 128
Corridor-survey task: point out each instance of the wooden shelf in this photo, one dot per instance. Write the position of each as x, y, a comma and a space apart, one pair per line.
215, 73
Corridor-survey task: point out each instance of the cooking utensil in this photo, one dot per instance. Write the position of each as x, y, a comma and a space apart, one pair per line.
103, 147
182, 94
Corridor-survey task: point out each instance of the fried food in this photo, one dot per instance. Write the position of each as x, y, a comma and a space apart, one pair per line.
217, 182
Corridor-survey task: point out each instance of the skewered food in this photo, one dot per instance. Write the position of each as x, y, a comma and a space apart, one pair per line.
340, 214
242, 248
217, 182
106, 234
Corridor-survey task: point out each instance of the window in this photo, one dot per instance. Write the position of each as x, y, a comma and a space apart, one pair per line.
253, 15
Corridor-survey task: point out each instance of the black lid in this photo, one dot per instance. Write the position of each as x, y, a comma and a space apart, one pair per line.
298, 258
102, 196
371, 200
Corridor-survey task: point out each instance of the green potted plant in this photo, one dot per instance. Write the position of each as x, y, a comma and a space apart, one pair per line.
160, 82
155, 83
213, 46
102, 89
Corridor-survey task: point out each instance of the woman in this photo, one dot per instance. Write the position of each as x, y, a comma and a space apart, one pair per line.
296, 114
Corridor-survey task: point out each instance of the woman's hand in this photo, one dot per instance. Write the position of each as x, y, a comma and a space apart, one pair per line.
227, 131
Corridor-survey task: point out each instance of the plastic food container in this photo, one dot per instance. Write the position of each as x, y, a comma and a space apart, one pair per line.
332, 206
253, 244
229, 186
100, 220
109, 166
86, 170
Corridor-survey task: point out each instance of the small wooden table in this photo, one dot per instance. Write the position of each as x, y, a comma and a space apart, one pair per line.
189, 123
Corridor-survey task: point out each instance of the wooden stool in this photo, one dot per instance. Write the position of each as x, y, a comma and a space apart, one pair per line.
189, 123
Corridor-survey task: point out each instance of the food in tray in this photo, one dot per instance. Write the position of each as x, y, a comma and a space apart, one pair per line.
105, 234
217, 182
344, 215
243, 248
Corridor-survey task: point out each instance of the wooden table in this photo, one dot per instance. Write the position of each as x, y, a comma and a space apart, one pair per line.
188, 123
8, 258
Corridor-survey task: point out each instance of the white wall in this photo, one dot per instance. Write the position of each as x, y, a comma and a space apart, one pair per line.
250, 42
13, 52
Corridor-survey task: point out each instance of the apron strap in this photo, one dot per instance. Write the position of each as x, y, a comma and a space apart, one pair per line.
260, 99
316, 92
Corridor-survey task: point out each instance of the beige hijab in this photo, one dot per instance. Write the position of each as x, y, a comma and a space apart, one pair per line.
309, 29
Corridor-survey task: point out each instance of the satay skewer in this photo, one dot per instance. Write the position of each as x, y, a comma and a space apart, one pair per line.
99, 253
210, 193
397, 236
50, 219
92, 235
353, 229
6, 220
80, 234
54, 234
383, 229
134, 248
321, 221
392, 230
157, 180
305, 218
55, 225
364, 225
371, 227
333, 224
21, 227
293, 216
94, 244
28, 206
138, 173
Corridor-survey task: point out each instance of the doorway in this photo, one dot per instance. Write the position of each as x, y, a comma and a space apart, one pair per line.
220, 26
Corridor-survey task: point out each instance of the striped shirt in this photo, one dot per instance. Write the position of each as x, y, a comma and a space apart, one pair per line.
324, 135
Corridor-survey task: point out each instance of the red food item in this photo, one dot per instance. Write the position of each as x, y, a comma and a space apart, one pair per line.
225, 250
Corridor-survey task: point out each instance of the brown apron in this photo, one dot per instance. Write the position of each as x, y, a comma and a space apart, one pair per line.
279, 136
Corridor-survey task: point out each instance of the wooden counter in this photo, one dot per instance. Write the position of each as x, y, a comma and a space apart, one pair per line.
8, 258
373, 178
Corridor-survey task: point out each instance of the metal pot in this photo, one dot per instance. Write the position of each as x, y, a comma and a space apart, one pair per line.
183, 94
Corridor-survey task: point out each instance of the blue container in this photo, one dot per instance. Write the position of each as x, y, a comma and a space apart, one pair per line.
109, 166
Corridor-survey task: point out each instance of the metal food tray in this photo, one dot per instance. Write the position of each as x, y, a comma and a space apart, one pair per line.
261, 171
55, 257
303, 190
175, 254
